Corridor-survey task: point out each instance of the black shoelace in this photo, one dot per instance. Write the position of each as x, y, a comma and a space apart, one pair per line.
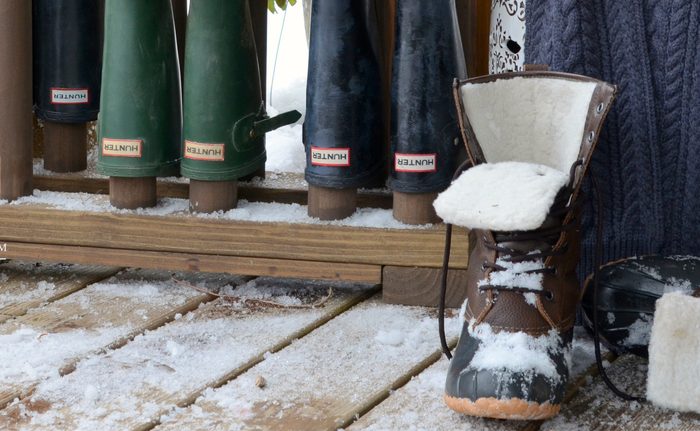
596, 328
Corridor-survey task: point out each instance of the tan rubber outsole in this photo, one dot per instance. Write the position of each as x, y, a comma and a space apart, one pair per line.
513, 409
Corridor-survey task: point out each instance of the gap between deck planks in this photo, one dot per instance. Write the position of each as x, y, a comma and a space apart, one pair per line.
217, 343
286, 268
104, 316
27, 285
325, 380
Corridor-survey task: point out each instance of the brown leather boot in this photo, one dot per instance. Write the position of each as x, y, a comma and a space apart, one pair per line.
529, 136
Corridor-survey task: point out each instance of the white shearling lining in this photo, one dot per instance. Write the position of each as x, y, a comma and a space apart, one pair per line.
535, 120
674, 349
507, 196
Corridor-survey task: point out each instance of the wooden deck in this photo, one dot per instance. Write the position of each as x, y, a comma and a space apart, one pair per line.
88, 347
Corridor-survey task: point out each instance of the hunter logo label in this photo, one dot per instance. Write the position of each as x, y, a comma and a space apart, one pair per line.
416, 163
121, 147
70, 96
206, 152
338, 157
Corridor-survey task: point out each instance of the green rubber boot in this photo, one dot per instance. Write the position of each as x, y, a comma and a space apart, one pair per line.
224, 115
140, 121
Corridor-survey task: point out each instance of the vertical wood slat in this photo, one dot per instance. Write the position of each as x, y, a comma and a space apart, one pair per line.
16, 95
474, 22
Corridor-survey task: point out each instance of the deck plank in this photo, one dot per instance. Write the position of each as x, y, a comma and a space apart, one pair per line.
130, 388
596, 408
27, 285
104, 315
323, 381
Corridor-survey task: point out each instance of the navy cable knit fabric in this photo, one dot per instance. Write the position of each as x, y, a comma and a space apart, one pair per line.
648, 159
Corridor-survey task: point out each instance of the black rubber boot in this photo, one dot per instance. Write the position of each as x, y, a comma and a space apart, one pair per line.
343, 126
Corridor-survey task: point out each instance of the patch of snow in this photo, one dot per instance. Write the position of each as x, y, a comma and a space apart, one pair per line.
639, 331
530, 298
515, 351
30, 292
516, 274
674, 284
611, 317
86, 331
287, 66
341, 363
393, 337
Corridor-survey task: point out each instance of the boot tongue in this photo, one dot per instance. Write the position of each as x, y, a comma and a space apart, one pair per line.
531, 241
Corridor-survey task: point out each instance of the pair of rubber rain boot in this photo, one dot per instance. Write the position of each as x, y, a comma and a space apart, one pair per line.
529, 136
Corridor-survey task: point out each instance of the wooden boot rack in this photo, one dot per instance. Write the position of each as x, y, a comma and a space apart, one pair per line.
406, 261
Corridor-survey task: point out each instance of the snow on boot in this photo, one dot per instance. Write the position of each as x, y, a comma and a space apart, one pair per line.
529, 136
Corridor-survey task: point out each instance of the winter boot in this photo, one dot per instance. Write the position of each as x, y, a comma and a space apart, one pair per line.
529, 137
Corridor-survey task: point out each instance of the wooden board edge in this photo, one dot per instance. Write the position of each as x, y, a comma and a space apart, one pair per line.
31, 223
421, 286
362, 273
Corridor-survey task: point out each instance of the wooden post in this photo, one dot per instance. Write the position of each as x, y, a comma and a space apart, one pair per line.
415, 208
16, 95
211, 196
331, 204
65, 146
132, 193
474, 24
180, 16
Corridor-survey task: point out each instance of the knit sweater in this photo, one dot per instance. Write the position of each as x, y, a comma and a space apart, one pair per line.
647, 163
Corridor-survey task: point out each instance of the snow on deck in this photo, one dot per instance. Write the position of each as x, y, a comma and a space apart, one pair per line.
37, 345
320, 381
260, 212
329, 365
133, 385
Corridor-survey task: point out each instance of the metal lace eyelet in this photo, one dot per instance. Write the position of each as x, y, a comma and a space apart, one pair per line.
600, 108
591, 135
549, 295
483, 266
